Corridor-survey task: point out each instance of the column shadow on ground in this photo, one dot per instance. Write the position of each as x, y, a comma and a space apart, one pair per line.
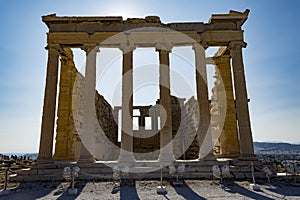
31, 190
128, 190
286, 190
67, 196
235, 188
186, 192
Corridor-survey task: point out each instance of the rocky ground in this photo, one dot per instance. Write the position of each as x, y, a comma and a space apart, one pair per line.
191, 189
279, 188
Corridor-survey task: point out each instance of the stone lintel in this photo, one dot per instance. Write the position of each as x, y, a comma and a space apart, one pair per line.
232, 16
221, 37
145, 39
92, 24
52, 19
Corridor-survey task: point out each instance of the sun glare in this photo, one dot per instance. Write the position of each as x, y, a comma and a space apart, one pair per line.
125, 10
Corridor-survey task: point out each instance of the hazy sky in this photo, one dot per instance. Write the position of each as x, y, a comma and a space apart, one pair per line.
271, 59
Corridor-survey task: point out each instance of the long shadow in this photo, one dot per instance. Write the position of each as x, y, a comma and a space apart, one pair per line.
286, 190
31, 190
235, 188
67, 196
128, 191
186, 192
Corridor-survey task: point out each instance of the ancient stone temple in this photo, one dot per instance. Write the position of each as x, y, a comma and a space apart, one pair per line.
199, 131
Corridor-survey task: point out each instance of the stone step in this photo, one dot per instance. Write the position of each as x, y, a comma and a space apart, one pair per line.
92, 174
140, 169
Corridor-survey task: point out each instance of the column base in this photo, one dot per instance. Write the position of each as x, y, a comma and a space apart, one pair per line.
85, 156
44, 160
209, 157
66, 159
166, 158
87, 159
126, 158
228, 155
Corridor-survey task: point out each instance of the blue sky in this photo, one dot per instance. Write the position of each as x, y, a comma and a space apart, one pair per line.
271, 59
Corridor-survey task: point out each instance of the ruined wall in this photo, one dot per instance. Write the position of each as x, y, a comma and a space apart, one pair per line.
70, 113
146, 142
216, 109
185, 118
190, 126
67, 146
107, 143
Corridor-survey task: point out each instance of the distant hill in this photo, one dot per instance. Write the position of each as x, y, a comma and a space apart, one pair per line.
280, 147
259, 148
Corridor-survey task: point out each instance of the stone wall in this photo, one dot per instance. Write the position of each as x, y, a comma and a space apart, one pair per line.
107, 147
185, 118
67, 146
70, 113
190, 126
185, 121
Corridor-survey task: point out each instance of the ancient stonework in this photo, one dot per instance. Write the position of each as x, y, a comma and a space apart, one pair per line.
106, 142
67, 146
190, 128
68, 143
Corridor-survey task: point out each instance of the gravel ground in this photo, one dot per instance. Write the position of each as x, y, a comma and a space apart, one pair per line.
191, 189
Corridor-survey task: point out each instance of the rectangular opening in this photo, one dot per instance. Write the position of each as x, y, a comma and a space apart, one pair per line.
148, 123
119, 125
135, 121
136, 112
158, 122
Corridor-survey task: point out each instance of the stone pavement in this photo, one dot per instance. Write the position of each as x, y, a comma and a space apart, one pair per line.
191, 189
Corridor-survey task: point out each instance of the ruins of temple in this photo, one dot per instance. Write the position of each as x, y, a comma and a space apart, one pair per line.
200, 131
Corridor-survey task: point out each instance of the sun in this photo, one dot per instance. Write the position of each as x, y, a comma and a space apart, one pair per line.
128, 10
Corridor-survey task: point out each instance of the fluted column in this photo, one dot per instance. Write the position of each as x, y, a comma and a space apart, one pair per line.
126, 153
245, 134
229, 143
166, 145
48, 119
204, 129
89, 111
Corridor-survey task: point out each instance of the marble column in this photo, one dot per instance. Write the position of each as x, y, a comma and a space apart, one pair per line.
204, 129
48, 119
88, 134
245, 134
166, 143
126, 153
229, 143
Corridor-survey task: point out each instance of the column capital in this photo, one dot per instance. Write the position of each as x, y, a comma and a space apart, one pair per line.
55, 47
202, 44
235, 45
199, 46
125, 48
164, 47
89, 47
205, 45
